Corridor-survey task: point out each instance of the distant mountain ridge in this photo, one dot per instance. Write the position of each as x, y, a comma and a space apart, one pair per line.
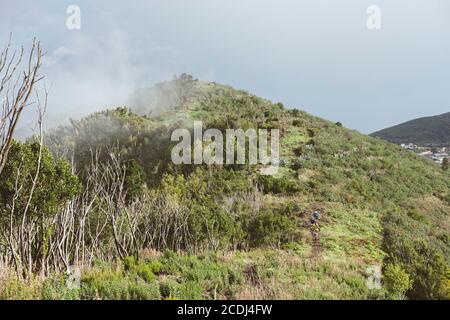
426, 131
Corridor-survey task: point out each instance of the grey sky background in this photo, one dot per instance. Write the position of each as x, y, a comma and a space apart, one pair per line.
315, 55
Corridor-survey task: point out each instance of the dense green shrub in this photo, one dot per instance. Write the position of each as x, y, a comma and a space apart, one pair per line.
107, 284
298, 151
135, 179
445, 164
270, 228
410, 243
56, 288
15, 288
144, 269
169, 288
295, 112
202, 277
396, 281
296, 122
34, 188
274, 185
54, 186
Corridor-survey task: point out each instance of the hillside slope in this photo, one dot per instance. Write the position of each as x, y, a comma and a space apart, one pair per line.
381, 204
427, 131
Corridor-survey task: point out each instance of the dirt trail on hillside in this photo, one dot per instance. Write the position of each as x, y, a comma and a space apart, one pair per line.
316, 246
311, 216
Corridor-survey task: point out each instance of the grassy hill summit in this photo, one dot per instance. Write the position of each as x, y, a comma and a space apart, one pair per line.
225, 231
427, 131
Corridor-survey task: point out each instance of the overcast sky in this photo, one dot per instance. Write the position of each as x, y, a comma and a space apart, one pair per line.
315, 55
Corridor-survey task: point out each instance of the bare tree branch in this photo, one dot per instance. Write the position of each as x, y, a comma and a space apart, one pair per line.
16, 88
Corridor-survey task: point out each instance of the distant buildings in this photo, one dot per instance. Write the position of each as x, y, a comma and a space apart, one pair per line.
426, 154
435, 154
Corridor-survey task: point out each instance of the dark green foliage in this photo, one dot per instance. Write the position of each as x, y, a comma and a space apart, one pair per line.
297, 122
34, 187
296, 164
295, 112
54, 185
274, 185
144, 269
445, 164
135, 179
447, 199
421, 252
298, 151
416, 215
270, 228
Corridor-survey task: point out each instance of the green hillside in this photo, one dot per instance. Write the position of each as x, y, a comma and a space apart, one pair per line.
426, 131
228, 232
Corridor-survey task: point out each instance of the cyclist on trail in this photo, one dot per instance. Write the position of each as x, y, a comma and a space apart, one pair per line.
314, 225
315, 229
316, 215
